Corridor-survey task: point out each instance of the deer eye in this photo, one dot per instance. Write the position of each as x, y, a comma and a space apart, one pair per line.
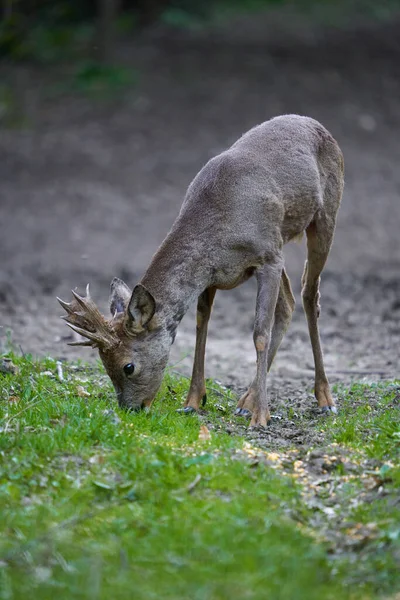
129, 369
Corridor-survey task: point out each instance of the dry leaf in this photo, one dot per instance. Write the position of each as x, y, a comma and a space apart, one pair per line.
274, 456
204, 433
82, 392
14, 399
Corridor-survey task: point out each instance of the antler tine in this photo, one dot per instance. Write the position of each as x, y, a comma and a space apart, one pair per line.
77, 314
84, 318
66, 305
90, 309
81, 299
78, 297
88, 334
71, 317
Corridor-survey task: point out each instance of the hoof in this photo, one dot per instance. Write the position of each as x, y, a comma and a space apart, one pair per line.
243, 412
187, 410
327, 410
258, 427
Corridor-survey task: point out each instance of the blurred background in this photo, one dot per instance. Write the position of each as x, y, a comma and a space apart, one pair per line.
109, 108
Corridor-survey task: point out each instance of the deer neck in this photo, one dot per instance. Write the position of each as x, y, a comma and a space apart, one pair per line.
176, 277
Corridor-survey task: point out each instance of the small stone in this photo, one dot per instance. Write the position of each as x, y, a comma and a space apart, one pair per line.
8, 367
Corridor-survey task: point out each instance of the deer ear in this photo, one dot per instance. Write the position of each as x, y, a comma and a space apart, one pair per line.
141, 309
119, 296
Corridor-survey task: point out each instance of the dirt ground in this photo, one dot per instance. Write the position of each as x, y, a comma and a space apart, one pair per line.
90, 189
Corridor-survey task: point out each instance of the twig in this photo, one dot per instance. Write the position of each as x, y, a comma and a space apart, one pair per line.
192, 485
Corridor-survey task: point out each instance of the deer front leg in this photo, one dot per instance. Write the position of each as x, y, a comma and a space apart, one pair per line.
255, 401
197, 391
282, 317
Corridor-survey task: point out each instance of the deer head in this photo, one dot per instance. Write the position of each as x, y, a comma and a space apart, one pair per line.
132, 345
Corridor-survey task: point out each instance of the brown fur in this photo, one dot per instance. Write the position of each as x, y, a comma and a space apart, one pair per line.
278, 180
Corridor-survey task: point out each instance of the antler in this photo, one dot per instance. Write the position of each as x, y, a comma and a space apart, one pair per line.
84, 318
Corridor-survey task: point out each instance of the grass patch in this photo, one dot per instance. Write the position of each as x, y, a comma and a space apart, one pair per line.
369, 419
97, 503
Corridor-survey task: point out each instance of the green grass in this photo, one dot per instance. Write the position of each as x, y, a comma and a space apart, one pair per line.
368, 420
97, 503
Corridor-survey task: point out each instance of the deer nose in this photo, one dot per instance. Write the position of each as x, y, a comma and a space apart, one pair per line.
127, 403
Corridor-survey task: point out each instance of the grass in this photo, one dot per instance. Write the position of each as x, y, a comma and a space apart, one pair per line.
97, 503
367, 420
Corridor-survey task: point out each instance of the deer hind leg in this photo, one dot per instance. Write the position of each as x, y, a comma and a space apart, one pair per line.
255, 401
319, 240
197, 391
283, 315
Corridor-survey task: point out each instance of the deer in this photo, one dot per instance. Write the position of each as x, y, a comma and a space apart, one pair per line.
282, 178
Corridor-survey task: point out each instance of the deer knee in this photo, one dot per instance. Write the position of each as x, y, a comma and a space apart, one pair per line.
261, 341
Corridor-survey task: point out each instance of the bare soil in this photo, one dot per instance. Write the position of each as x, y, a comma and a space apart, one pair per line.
89, 190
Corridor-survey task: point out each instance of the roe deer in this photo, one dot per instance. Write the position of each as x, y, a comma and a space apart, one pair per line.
278, 180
